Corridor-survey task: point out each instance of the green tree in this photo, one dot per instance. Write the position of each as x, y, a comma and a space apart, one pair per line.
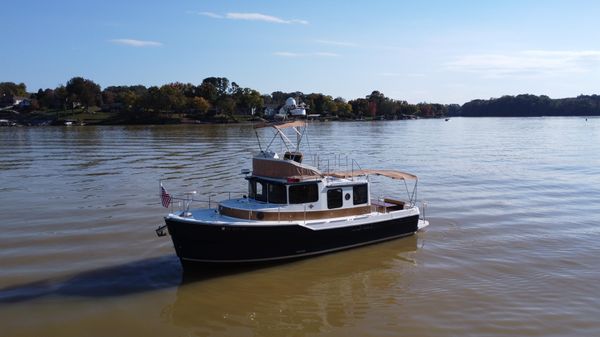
10, 90
13, 89
208, 91
61, 96
152, 100
226, 105
171, 98
249, 99
405, 110
360, 106
344, 109
213, 88
83, 91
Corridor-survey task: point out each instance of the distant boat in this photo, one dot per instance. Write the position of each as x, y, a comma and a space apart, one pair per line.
71, 123
289, 109
6, 122
292, 210
447, 119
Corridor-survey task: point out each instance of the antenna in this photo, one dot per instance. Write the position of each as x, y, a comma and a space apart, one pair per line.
258, 139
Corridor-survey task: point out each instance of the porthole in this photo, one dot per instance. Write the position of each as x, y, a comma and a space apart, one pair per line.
347, 196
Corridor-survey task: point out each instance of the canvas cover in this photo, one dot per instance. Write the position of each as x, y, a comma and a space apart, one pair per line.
282, 169
281, 126
386, 173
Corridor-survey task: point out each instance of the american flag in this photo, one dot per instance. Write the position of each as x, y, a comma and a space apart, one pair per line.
165, 197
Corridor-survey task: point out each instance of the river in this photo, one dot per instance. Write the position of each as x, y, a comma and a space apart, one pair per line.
512, 248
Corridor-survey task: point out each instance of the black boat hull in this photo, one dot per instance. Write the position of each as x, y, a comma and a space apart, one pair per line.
210, 243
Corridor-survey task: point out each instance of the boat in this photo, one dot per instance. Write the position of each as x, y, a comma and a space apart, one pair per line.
292, 209
6, 122
290, 109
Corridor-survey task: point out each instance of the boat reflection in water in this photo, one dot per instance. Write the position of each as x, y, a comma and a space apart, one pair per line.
307, 296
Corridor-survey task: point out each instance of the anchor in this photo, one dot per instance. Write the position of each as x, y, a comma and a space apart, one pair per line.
162, 230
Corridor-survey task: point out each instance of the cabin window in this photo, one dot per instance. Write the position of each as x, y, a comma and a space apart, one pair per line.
251, 189
277, 194
360, 194
304, 193
264, 191
258, 190
334, 198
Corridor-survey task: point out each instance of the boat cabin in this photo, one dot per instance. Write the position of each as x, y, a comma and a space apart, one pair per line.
334, 195
286, 189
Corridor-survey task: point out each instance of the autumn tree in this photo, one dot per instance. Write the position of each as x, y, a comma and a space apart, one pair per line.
199, 104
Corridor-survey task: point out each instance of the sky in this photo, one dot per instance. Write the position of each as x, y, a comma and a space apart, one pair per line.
418, 51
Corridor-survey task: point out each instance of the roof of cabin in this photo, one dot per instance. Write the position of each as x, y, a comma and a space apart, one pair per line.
386, 173
283, 169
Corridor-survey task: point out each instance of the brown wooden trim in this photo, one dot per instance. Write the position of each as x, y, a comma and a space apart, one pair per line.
291, 216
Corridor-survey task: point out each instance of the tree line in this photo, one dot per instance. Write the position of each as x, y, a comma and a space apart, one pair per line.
218, 99
214, 99
531, 106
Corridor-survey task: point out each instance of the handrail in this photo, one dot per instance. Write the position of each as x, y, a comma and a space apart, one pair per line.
332, 162
185, 202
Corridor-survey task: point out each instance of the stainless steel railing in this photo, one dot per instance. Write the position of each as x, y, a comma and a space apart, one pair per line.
212, 200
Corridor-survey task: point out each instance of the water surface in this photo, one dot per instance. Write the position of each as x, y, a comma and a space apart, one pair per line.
512, 248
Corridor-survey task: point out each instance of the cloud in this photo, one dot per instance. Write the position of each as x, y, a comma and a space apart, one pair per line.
302, 22
286, 54
313, 54
326, 54
337, 43
136, 43
262, 17
255, 17
251, 17
528, 63
211, 15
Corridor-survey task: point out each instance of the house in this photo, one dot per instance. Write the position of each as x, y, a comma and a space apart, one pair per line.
15, 101
23, 103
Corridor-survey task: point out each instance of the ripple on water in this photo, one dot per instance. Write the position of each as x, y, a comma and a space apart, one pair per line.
511, 249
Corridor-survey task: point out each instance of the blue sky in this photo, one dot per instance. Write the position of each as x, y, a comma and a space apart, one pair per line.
419, 51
